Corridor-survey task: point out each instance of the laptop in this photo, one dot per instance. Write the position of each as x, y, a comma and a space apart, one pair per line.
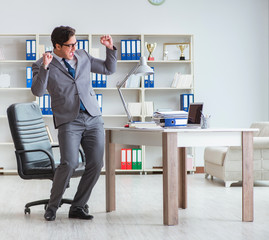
195, 115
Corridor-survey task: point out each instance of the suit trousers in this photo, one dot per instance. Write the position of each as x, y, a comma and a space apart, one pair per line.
88, 132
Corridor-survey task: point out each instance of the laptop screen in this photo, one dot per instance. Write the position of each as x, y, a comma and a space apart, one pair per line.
195, 113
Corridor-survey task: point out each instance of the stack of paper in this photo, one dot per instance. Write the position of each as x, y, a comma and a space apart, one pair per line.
143, 125
171, 114
171, 119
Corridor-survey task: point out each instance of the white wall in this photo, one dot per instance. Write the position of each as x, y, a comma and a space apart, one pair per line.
230, 36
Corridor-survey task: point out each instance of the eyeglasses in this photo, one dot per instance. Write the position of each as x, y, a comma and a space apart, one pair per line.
70, 45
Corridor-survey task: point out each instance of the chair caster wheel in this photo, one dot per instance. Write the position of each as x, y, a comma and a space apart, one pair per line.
27, 211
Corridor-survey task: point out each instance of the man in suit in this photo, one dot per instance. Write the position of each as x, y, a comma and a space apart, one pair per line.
65, 74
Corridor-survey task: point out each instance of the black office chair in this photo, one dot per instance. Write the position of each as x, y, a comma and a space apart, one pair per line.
32, 147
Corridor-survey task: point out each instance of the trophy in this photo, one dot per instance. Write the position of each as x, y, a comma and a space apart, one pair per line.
151, 47
182, 47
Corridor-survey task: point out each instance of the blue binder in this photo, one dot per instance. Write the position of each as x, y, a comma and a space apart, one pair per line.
100, 101
133, 50
185, 100
190, 99
104, 78
94, 78
138, 49
28, 50
173, 122
99, 80
29, 77
50, 109
123, 50
80, 44
128, 50
151, 79
86, 45
46, 104
33, 49
146, 81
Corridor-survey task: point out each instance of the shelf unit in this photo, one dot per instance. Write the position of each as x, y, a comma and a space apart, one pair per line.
162, 95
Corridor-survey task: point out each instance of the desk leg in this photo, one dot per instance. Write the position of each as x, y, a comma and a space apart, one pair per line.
247, 176
110, 173
170, 178
182, 178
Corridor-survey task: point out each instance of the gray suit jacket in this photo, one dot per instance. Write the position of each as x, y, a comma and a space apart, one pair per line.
65, 91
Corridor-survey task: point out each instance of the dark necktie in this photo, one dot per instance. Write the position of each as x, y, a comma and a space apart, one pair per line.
72, 72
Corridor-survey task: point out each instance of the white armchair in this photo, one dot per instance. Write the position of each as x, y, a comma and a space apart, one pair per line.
226, 162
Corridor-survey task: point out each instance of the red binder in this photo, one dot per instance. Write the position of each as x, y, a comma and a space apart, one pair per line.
123, 158
129, 159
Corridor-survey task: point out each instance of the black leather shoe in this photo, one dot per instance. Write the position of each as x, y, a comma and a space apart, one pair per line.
79, 213
50, 215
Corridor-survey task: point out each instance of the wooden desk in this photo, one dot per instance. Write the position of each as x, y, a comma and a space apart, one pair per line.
174, 143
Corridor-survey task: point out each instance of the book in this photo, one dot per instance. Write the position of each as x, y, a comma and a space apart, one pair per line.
149, 108
182, 80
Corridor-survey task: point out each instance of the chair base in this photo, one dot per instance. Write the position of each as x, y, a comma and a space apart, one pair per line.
46, 201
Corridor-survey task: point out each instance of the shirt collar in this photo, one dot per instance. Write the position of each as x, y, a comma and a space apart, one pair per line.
56, 56
72, 62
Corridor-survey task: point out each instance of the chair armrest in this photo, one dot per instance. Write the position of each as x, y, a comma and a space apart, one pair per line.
19, 152
261, 142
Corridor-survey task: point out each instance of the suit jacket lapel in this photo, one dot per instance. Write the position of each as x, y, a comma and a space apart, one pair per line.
58, 65
78, 64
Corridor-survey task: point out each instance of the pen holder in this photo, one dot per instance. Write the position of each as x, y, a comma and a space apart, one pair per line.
205, 121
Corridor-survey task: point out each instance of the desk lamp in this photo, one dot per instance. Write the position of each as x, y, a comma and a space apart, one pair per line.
141, 69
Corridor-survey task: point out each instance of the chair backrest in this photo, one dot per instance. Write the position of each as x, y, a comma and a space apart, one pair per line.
29, 133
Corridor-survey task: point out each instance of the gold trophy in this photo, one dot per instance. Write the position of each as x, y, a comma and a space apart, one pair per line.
182, 47
151, 47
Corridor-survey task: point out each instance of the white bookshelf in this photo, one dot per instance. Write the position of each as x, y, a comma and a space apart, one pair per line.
14, 48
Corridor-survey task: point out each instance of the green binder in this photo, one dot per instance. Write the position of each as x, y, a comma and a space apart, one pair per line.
134, 158
139, 158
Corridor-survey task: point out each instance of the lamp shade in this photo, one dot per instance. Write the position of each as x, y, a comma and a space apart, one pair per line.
143, 68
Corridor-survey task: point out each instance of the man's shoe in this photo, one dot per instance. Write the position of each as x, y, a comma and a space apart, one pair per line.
79, 213
50, 215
